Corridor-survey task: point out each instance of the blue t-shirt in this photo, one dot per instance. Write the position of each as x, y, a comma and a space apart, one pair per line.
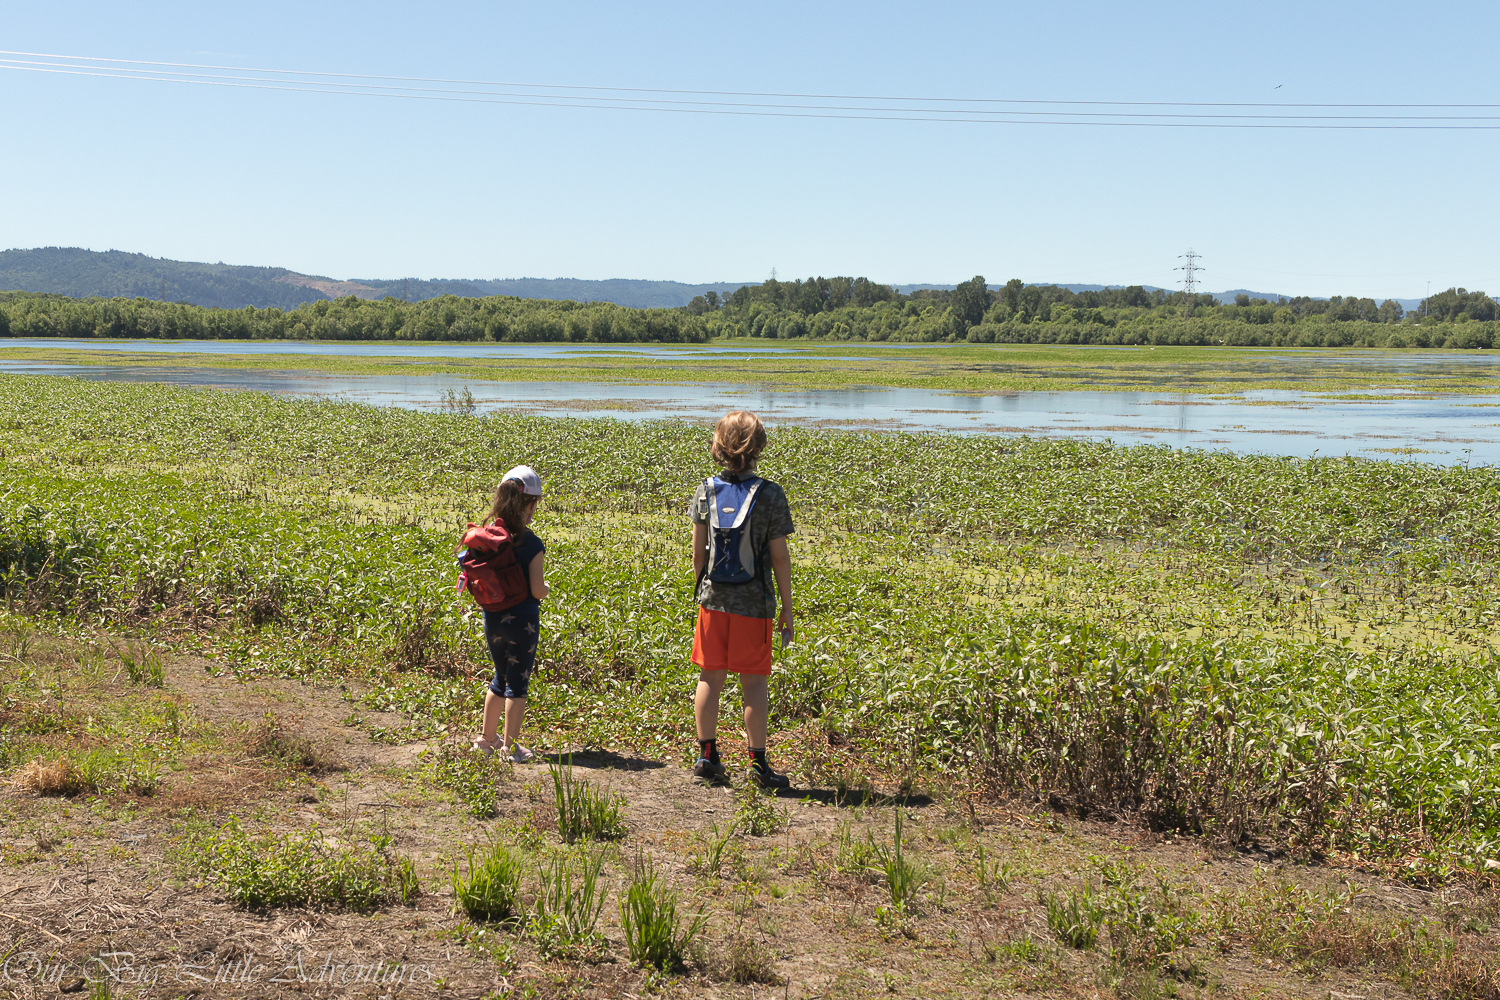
527, 550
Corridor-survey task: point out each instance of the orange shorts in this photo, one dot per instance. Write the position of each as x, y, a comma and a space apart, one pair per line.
723, 641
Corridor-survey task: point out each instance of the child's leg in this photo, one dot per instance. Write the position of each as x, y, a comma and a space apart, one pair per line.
515, 711
493, 704
706, 703
757, 691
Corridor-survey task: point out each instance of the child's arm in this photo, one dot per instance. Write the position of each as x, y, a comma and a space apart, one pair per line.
538, 577
700, 547
781, 566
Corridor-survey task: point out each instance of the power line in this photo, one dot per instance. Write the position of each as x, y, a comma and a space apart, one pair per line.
727, 93
999, 115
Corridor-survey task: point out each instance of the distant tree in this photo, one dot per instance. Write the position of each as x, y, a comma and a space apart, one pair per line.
1391, 311
712, 298
970, 300
1243, 301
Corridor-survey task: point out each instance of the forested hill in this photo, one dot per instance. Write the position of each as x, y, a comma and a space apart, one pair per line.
116, 274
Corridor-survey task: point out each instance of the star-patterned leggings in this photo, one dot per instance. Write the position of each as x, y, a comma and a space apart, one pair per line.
511, 636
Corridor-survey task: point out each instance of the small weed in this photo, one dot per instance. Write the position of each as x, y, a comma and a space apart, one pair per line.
655, 935
1075, 918
143, 665
756, 813
491, 888
460, 404
271, 738
307, 869
567, 912
583, 811
902, 877
714, 849
470, 776
856, 857
745, 960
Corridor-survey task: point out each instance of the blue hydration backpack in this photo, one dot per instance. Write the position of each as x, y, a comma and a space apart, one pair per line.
731, 559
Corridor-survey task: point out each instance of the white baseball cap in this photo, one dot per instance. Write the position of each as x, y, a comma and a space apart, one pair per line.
531, 483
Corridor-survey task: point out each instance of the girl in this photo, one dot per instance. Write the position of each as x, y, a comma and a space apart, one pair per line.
512, 635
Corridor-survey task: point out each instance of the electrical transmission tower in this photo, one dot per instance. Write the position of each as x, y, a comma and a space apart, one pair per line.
1190, 271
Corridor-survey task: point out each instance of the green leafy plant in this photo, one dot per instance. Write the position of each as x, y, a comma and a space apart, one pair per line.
569, 899
584, 812
656, 936
309, 869
471, 776
490, 888
756, 812
902, 877
1076, 916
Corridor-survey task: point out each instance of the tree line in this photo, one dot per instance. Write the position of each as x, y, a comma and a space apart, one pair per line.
845, 308
447, 318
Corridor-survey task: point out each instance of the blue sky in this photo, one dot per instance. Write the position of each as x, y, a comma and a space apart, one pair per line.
374, 187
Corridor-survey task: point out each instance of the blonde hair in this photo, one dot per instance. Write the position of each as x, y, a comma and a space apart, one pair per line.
739, 438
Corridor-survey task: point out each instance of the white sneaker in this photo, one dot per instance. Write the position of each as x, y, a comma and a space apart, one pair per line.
520, 755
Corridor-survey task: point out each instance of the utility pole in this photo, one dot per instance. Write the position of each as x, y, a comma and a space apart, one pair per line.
404, 297
1190, 271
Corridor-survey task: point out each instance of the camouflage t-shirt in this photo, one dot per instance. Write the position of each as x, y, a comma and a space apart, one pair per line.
771, 517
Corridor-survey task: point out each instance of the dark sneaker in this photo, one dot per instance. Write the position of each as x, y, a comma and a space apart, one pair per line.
711, 770
768, 778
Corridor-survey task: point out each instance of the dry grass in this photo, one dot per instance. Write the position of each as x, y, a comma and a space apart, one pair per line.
52, 777
274, 739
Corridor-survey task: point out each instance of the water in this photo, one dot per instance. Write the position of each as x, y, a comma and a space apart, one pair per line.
1423, 428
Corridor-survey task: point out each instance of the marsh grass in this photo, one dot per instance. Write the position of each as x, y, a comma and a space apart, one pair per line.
1158, 635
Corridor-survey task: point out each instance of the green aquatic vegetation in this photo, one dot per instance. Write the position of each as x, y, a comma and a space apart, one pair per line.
1251, 648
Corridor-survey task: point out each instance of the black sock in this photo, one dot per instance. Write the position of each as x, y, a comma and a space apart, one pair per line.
709, 750
758, 760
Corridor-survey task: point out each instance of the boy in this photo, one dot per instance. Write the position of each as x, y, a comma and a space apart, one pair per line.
735, 617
